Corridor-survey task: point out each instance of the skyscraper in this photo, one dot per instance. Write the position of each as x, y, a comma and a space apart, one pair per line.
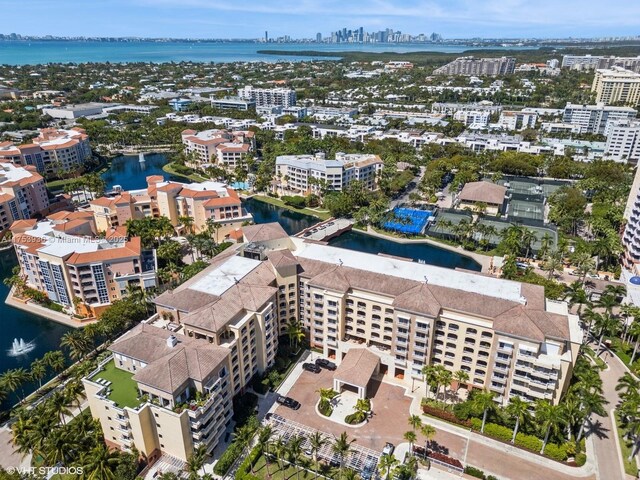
319, 37
266, 36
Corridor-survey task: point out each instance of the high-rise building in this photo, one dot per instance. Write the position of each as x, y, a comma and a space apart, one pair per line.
631, 236
269, 97
617, 86
23, 194
623, 141
594, 118
478, 66
266, 36
318, 37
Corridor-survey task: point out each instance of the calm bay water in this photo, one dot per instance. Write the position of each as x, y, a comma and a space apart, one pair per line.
39, 52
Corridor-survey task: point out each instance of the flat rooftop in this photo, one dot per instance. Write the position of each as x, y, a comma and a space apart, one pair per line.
444, 277
220, 279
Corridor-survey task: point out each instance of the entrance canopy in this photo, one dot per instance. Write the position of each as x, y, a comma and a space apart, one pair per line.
355, 370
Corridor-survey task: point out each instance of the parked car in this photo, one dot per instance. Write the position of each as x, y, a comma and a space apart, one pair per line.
367, 472
288, 402
388, 449
311, 367
324, 363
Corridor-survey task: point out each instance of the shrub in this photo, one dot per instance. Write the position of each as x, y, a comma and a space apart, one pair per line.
581, 459
295, 201
228, 458
498, 431
244, 470
474, 472
325, 409
528, 442
476, 424
559, 453
444, 415
464, 410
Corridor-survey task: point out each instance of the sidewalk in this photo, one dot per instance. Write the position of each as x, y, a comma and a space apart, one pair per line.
476, 443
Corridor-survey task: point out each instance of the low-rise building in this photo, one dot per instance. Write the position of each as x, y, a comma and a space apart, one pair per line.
79, 271
486, 195
233, 103
73, 112
594, 118
51, 151
517, 120
224, 148
313, 173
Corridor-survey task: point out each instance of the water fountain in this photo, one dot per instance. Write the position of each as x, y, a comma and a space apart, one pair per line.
141, 158
20, 347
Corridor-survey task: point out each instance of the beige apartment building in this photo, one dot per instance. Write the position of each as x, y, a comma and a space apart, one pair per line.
506, 335
23, 194
62, 257
52, 150
207, 202
616, 86
224, 148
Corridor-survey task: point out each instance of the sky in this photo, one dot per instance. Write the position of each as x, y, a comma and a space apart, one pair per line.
304, 18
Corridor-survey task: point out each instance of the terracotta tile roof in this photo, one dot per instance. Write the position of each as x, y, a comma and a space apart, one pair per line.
357, 367
221, 202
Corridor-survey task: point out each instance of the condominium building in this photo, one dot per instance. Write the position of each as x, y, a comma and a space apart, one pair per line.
23, 194
478, 66
623, 141
267, 97
224, 148
233, 103
51, 151
517, 120
589, 62
617, 86
594, 118
211, 335
312, 173
59, 256
473, 117
631, 236
208, 204
451, 108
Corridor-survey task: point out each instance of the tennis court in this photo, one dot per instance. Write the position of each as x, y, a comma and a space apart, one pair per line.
526, 209
408, 220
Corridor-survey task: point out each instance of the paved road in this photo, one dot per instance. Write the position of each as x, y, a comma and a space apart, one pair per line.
605, 438
404, 198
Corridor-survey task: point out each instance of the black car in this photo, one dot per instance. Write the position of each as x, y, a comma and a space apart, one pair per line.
288, 402
324, 363
311, 367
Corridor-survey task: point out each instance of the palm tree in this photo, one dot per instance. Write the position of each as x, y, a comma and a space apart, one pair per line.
570, 412
187, 222
294, 451
196, 460
280, 451
576, 295
58, 404
317, 441
21, 432
326, 394
517, 409
552, 264
627, 384
55, 360
460, 376
484, 401
38, 370
415, 421
294, 332
634, 331
528, 239
429, 375
410, 437
13, 379
444, 379
76, 343
428, 432
608, 302
75, 392
548, 418
605, 325
386, 463
545, 244
99, 462
341, 447
264, 437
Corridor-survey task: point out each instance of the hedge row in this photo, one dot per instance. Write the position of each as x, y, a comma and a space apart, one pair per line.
444, 415
528, 442
244, 471
477, 473
228, 458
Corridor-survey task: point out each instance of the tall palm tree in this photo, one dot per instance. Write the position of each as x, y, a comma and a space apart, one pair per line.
484, 401
570, 412
280, 451
606, 324
342, 446
21, 432
76, 343
58, 404
576, 295
75, 393
317, 441
294, 332
428, 432
548, 417
99, 463
195, 462
518, 410
529, 237
294, 451
627, 384
429, 375
386, 463
264, 438
410, 437
634, 332
415, 421
13, 379
460, 376
38, 370
444, 379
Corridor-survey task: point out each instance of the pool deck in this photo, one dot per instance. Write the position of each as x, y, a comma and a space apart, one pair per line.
483, 260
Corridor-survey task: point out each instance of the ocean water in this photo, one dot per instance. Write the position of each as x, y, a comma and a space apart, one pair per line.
39, 52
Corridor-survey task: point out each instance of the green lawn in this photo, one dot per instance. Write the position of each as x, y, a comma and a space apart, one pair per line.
289, 472
591, 354
321, 214
625, 446
194, 177
124, 391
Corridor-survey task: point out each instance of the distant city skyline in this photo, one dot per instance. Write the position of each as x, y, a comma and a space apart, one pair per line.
307, 18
